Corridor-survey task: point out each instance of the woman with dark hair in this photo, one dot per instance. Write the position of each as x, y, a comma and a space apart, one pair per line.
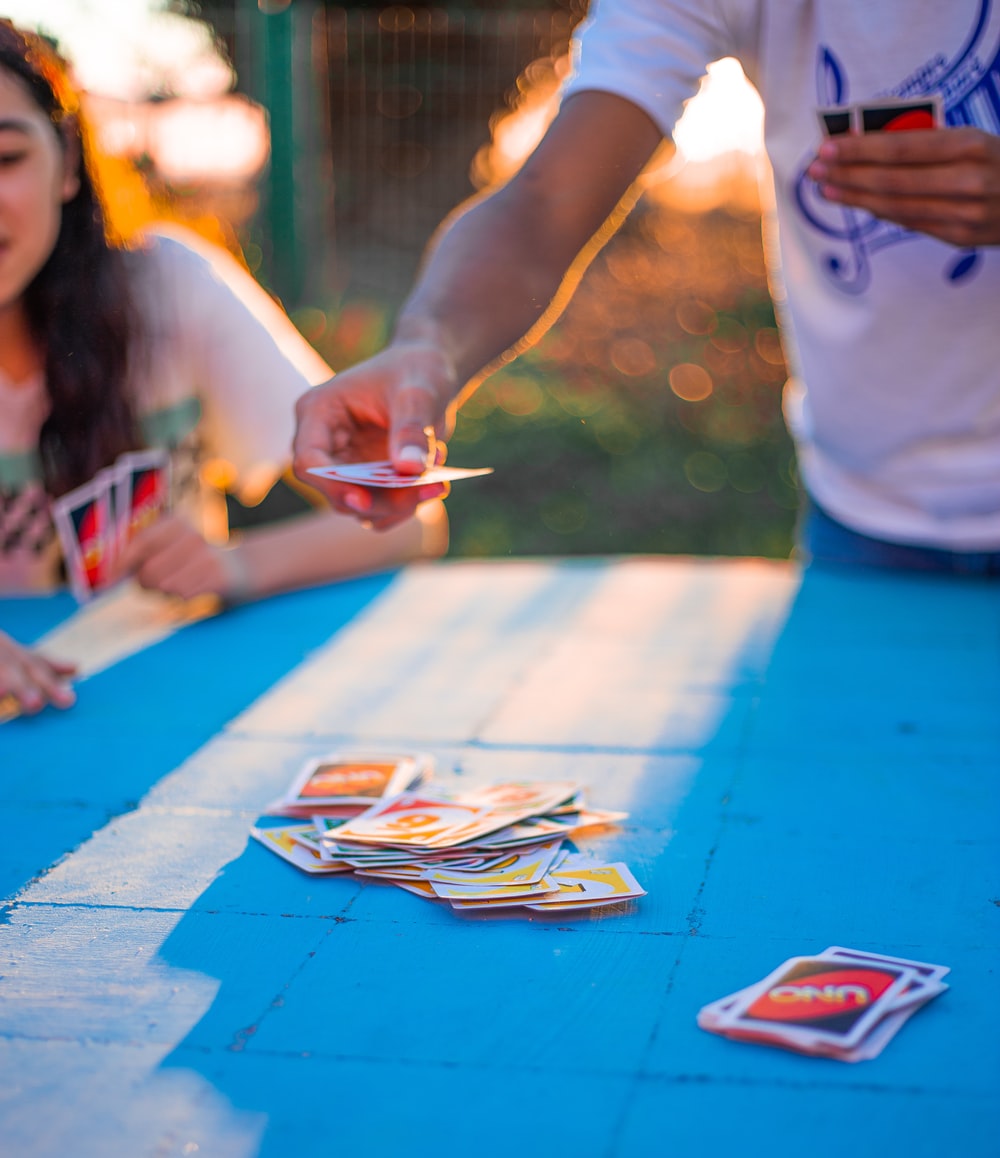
106, 349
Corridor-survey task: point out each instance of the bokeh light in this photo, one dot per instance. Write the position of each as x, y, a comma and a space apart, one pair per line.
130, 49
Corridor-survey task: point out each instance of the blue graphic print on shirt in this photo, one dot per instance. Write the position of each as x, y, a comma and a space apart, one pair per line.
969, 84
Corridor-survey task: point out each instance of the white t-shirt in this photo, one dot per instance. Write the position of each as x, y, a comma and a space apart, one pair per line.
216, 381
893, 337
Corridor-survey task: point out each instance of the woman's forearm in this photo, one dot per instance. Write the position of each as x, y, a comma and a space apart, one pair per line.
320, 547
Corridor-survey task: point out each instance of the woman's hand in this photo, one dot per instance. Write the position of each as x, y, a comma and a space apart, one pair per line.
31, 680
170, 556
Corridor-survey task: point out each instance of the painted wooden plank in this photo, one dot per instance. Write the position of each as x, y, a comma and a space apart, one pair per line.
93, 1099
452, 995
139, 719
119, 623
492, 633
425, 1110
270, 989
790, 1120
117, 983
429, 661
28, 617
245, 773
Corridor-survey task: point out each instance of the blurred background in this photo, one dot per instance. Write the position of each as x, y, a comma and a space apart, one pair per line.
323, 143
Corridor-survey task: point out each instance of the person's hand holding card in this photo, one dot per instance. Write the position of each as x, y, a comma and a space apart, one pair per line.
393, 407
170, 556
941, 181
29, 681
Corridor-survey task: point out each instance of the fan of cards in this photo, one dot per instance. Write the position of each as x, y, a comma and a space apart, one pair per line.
499, 846
842, 1003
893, 115
382, 474
96, 521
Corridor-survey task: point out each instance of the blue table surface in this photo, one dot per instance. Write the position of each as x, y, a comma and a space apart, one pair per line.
807, 759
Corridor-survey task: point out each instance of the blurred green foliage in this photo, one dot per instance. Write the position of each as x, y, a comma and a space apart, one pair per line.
647, 419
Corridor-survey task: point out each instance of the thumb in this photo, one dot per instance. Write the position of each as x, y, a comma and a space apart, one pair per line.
414, 416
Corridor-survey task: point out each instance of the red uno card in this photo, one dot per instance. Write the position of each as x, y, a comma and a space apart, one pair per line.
356, 778
87, 535
142, 490
818, 1001
898, 114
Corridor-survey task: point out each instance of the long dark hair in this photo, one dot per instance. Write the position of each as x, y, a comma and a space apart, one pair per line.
79, 306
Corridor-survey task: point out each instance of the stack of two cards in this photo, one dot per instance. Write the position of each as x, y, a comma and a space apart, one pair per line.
883, 116
843, 1003
97, 520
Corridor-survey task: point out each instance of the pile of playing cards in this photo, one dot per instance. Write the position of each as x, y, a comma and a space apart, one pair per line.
842, 1003
499, 846
382, 474
882, 116
96, 521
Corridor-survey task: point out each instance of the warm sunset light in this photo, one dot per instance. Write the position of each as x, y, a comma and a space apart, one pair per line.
129, 50
725, 117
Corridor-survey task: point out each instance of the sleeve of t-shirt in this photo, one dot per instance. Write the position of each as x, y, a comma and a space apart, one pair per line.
651, 52
247, 362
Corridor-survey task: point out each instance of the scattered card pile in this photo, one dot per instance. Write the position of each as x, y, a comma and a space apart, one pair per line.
96, 521
893, 115
499, 846
382, 474
842, 1003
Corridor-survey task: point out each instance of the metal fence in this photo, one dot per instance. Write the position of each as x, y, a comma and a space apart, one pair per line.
376, 118
410, 96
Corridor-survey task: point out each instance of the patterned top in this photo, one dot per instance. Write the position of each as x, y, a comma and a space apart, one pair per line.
216, 385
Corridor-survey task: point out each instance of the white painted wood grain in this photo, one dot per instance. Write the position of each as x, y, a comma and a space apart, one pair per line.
119, 623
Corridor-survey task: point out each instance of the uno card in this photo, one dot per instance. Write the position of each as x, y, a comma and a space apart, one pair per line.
526, 868
402, 872
522, 798
418, 888
928, 983
817, 1001
412, 818
382, 474
142, 491
282, 842
503, 899
515, 835
585, 884
343, 778
835, 122
542, 888
587, 818
898, 114
308, 837
83, 522
502, 805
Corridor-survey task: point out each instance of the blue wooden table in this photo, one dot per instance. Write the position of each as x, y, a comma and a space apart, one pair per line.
807, 760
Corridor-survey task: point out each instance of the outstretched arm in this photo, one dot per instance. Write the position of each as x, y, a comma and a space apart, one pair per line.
490, 277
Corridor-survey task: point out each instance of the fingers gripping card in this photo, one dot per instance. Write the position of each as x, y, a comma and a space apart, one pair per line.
382, 474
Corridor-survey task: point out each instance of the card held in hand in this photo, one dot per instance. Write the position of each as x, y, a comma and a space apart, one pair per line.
382, 474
